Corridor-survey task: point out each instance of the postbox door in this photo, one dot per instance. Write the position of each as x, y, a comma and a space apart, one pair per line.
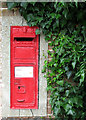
25, 86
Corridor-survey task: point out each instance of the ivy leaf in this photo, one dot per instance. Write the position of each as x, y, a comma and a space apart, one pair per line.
61, 82
65, 12
47, 38
29, 24
11, 5
58, 76
73, 64
57, 23
24, 4
33, 23
33, 3
67, 92
63, 22
66, 68
82, 78
70, 112
75, 100
37, 31
69, 73
56, 110
53, 15
39, 19
67, 107
30, 17
49, 88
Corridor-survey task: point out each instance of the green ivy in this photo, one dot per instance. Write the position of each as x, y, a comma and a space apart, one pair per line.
64, 26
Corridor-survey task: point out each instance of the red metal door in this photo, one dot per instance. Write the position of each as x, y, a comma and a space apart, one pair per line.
24, 67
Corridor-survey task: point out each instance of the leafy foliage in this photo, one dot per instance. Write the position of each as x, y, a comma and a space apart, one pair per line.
64, 26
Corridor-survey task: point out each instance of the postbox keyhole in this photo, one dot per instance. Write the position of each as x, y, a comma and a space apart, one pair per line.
19, 87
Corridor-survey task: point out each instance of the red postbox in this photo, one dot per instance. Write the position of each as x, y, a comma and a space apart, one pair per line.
24, 67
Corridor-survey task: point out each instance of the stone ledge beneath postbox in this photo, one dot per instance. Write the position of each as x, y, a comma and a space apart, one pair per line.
11, 18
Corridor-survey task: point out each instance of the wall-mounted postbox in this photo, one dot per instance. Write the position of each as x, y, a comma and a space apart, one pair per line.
24, 67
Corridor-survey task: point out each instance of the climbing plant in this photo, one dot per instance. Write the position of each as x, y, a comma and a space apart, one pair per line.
64, 26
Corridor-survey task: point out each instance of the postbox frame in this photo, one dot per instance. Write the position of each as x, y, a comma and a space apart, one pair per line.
18, 62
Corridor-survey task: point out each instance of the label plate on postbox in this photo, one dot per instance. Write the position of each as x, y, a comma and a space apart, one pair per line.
23, 72
24, 67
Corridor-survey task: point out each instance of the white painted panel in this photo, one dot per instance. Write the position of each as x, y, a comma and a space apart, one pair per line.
23, 72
